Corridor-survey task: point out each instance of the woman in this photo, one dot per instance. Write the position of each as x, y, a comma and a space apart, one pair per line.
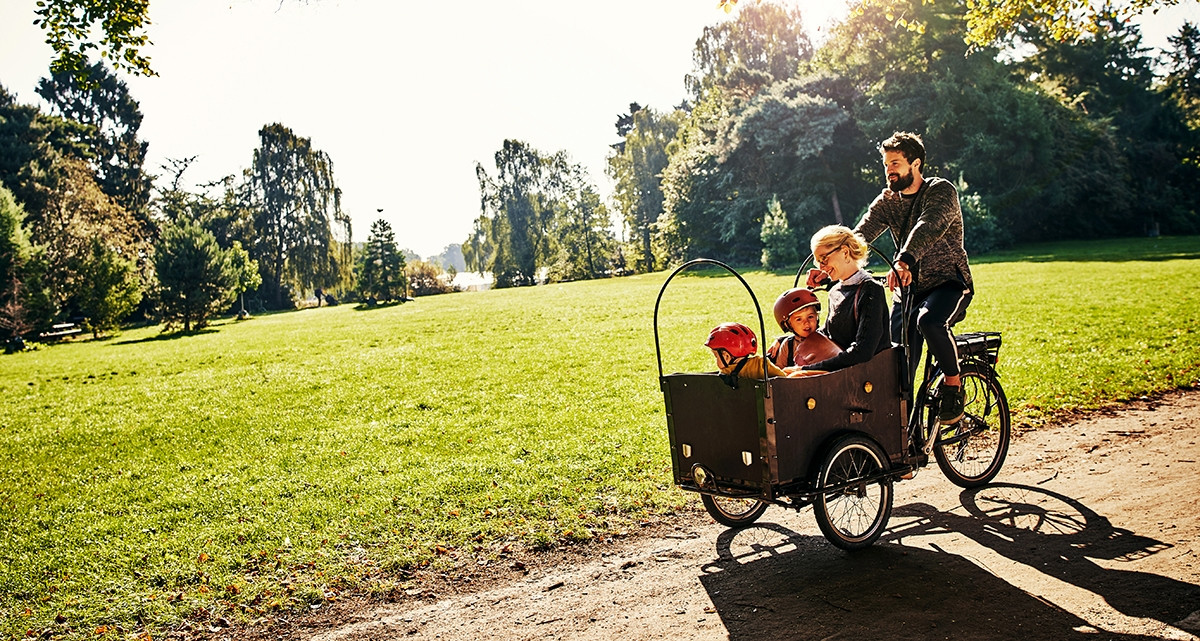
858, 311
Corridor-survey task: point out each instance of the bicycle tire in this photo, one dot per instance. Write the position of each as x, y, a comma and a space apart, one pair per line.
971, 451
733, 512
854, 516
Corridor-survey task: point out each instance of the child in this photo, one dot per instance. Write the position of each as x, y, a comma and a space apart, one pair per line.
734, 345
796, 311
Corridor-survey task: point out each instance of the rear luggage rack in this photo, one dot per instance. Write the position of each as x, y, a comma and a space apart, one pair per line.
978, 344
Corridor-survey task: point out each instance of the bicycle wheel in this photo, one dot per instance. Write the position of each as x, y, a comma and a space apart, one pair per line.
855, 502
971, 451
734, 512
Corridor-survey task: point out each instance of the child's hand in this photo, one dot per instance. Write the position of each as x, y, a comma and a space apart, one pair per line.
801, 373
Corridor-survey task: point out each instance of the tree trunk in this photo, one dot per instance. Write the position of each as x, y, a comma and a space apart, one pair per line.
647, 251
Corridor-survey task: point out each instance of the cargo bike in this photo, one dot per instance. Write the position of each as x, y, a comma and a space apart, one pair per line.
838, 441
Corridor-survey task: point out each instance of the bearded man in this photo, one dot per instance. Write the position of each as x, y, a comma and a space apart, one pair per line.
925, 220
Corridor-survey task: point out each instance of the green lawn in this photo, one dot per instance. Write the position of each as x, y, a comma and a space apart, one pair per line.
282, 461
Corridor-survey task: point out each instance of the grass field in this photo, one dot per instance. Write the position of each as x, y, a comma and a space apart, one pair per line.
280, 462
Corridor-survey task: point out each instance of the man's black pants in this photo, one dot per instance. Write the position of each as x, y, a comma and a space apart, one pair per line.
933, 314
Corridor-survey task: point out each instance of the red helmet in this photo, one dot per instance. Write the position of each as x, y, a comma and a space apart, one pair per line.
735, 338
792, 301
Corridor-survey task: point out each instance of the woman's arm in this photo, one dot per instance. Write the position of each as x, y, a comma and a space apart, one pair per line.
872, 324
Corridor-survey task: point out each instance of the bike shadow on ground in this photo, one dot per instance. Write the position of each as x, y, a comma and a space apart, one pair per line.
1061, 537
770, 582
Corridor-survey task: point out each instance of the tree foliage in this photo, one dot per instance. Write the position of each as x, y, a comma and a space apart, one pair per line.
1078, 139
990, 21
113, 289
426, 279
381, 273
1183, 77
518, 202
778, 240
196, 277
113, 119
296, 204
583, 244
636, 167
540, 218
761, 47
44, 159
70, 26
24, 304
1107, 77
77, 211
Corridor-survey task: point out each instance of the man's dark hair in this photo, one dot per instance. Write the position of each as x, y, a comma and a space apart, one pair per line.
906, 143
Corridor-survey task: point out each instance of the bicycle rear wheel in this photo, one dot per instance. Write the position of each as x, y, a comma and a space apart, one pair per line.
971, 451
733, 512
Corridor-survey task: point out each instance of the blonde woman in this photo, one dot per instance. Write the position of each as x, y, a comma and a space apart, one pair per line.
858, 312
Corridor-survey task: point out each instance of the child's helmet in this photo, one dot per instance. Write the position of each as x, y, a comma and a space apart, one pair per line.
735, 338
792, 301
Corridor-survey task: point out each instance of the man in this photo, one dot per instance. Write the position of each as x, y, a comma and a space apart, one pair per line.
926, 223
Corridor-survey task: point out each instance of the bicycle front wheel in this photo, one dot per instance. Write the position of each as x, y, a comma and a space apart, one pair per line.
971, 451
855, 500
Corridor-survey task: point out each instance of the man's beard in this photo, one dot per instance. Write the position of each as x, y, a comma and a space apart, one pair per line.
901, 183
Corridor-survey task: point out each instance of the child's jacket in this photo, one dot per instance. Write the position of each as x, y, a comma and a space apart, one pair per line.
752, 367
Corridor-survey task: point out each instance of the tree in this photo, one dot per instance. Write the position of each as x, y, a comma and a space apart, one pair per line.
1183, 72
478, 250
760, 132
520, 204
32, 147
426, 279
381, 275
988, 21
76, 213
245, 271
70, 25
44, 160
112, 288
24, 305
584, 244
451, 258
296, 203
196, 278
779, 243
636, 167
1039, 167
1108, 77
763, 46
113, 119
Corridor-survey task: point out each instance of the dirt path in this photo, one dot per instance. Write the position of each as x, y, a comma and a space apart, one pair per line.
1092, 532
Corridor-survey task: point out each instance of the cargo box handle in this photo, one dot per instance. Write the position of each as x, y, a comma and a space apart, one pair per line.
762, 329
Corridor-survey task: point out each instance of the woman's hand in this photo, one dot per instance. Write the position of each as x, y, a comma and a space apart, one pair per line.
801, 373
815, 278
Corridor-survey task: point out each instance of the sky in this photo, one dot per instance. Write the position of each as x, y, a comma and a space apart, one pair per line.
406, 97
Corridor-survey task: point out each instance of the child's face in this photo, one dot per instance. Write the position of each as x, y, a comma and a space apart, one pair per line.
803, 322
722, 357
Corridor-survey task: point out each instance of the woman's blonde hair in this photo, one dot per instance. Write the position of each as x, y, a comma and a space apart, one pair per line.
835, 236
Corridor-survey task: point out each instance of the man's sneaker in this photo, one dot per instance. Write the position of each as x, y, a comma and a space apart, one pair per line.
951, 410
